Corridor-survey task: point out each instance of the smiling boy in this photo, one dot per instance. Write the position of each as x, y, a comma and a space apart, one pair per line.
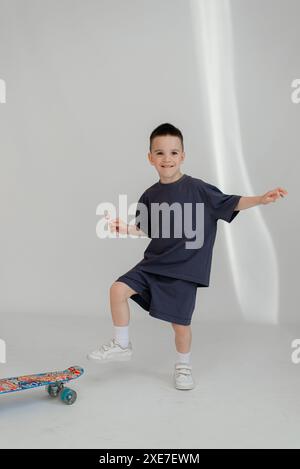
165, 281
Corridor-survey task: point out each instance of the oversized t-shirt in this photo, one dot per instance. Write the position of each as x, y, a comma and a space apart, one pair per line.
199, 203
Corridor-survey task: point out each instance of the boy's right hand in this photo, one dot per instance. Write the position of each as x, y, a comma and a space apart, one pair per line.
118, 225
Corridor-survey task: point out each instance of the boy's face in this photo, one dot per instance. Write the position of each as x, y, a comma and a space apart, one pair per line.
166, 156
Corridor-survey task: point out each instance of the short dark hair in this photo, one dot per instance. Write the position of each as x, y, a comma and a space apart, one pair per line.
166, 129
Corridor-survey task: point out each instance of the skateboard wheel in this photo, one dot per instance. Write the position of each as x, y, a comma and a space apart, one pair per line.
54, 389
68, 396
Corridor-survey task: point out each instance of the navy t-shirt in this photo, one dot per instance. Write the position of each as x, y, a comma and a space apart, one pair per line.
169, 255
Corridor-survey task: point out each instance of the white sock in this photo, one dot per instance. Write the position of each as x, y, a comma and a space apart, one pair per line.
184, 358
121, 335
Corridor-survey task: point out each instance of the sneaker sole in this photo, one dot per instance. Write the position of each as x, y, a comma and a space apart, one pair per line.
107, 360
184, 387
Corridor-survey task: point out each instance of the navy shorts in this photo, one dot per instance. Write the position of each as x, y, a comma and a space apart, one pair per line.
166, 298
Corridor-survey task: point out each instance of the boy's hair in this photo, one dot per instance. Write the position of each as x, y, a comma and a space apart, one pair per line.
166, 129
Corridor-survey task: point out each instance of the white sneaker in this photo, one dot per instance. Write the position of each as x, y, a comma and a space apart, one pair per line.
183, 376
111, 352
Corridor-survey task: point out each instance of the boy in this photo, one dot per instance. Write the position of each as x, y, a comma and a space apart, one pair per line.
165, 281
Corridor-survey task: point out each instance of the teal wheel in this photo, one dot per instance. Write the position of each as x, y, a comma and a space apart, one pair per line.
68, 396
54, 389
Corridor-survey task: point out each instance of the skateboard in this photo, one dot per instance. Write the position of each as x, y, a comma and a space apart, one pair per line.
54, 382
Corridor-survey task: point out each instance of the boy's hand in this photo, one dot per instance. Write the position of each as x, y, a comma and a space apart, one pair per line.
273, 195
118, 225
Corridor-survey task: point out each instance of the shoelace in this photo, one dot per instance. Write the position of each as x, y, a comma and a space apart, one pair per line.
183, 371
106, 347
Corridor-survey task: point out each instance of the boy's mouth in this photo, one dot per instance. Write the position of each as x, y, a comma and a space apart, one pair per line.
167, 165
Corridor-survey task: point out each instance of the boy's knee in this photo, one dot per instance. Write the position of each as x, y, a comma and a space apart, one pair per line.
180, 328
120, 290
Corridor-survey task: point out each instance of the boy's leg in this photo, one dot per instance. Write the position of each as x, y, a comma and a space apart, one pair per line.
119, 294
120, 348
183, 337
183, 370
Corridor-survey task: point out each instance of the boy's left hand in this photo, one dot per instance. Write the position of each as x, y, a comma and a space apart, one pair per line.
273, 195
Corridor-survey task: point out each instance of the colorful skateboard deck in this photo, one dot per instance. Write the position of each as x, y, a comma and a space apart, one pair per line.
53, 380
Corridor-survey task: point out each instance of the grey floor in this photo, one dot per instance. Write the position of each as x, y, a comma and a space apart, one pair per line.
247, 393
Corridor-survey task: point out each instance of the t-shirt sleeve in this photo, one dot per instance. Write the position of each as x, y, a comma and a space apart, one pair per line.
143, 216
221, 205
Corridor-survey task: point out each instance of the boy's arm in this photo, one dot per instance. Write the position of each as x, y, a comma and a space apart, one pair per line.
270, 196
134, 230
120, 226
